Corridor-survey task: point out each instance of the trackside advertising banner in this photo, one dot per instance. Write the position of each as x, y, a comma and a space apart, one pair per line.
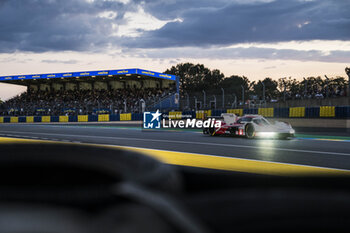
157, 120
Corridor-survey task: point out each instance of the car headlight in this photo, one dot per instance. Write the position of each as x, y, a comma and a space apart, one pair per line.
267, 134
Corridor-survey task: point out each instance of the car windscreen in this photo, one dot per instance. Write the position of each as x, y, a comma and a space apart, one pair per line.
261, 121
244, 119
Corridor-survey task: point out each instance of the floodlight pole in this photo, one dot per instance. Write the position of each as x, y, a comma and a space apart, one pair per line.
143, 105
327, 81
263, 91
284, 91
347, 71
305, 86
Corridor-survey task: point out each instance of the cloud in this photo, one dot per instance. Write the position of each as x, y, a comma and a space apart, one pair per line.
174, 28
60, 61
57, 25
243, 53
228, 23
270, 67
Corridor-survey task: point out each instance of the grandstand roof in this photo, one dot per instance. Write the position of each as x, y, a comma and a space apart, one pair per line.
16, 79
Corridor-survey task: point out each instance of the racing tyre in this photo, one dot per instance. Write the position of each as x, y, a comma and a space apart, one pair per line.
211, 131
249, 131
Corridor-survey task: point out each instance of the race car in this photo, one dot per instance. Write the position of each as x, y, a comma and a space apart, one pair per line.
250, 126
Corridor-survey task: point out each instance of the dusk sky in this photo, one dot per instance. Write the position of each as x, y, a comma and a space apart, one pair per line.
255, 38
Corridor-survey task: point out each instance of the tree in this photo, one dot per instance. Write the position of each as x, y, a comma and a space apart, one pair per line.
293, 87
234, 84
270, 88
196, 77
213, 79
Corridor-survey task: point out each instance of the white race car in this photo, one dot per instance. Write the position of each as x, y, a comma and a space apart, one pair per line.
251, 126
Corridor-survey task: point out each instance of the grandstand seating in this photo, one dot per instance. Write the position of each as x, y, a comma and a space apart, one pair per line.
80, 102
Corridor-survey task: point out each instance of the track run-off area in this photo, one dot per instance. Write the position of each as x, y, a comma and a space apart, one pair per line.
305, 154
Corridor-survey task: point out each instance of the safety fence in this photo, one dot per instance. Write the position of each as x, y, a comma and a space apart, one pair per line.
293, 112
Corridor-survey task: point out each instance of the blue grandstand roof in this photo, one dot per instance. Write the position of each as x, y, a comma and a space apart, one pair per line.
89, 73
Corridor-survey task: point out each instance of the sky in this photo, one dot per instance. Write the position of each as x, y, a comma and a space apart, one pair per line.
254, 38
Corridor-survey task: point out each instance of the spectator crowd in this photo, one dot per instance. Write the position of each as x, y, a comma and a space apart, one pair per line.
74, 102
316, 93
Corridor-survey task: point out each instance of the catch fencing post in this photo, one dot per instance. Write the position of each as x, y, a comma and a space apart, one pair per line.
195, 102
188, 101
214, 102
223, 98
204, 99
263, 91
242, 95
284, 91
327, 81
234, 103
347, 70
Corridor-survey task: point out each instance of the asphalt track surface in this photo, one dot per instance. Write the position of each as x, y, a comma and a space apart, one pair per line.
321, 151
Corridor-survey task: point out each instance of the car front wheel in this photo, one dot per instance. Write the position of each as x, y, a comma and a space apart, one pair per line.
249, 131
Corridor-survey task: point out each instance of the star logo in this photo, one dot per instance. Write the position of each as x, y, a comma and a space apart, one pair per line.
156, 115
151, 120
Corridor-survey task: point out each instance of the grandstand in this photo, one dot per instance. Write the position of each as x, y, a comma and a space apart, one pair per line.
92, 92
